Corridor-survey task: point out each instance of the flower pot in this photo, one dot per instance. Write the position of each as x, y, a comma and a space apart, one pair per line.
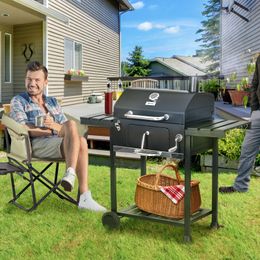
226, 96
237, 97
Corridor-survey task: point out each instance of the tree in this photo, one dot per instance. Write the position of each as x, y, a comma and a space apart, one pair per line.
210, 34
136, 64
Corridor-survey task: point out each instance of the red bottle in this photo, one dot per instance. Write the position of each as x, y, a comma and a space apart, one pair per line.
109, 99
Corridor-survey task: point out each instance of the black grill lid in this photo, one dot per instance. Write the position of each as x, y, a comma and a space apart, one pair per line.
182, 107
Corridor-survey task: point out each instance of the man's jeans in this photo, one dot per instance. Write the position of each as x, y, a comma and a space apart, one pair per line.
249, 151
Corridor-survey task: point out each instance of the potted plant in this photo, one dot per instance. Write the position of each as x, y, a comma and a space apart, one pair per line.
224, 91
239, 95
75, 75
210, 86
250, 68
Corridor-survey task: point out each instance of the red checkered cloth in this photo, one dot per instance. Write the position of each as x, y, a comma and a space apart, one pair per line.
174, 193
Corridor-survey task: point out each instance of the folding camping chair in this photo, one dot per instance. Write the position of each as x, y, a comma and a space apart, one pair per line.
20, 161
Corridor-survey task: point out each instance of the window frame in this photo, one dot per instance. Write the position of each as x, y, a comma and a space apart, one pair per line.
73, 58
10, 58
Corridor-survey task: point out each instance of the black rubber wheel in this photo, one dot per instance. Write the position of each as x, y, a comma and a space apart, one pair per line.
111, 220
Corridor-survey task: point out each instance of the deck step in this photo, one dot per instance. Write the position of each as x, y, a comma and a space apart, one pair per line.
125, 160
98, 138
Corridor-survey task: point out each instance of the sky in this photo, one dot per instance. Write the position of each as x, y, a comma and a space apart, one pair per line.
162, 28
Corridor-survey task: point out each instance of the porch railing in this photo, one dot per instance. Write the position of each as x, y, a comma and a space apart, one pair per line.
190, 84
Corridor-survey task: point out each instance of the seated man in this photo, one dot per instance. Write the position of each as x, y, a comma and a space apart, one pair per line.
58, 138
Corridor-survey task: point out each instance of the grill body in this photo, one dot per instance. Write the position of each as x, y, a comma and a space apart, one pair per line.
164, 114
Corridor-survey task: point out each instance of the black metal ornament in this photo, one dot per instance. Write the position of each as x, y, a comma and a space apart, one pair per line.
28, 51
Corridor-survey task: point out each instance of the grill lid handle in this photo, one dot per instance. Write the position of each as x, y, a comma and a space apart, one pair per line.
131, 115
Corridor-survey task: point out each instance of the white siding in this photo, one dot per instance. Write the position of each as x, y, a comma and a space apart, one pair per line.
239, 36
95, 25
25, 34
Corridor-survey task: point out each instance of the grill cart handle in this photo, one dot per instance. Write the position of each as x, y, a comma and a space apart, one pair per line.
131, 115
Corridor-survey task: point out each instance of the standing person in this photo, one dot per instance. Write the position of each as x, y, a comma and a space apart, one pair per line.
251, 143
58, 138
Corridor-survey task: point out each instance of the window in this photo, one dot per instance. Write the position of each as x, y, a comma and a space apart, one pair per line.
73, 55
8, 48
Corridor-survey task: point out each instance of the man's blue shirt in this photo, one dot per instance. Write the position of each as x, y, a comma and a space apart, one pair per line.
24, 109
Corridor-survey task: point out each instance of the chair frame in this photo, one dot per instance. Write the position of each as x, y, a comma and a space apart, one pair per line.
24, 164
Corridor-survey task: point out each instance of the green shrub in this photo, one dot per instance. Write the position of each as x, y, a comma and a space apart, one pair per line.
210, 85
230, 146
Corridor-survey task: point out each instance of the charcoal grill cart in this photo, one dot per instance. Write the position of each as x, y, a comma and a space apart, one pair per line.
163, 123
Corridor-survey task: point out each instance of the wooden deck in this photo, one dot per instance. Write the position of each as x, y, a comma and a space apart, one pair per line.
228, 111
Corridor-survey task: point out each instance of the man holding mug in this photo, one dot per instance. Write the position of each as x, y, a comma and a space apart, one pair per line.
58, 137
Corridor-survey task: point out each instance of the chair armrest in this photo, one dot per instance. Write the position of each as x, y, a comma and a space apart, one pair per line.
20, 139
13, 125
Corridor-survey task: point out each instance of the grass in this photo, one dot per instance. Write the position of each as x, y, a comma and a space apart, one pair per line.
58, 230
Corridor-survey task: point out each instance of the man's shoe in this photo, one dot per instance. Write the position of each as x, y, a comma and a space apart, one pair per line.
67, 182
227, 189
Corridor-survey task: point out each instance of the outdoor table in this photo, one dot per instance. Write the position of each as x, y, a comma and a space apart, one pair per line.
214, 130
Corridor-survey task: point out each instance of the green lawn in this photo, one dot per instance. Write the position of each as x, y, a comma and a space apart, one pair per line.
58, 230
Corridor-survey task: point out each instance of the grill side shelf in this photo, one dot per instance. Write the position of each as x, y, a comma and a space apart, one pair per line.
127, 149
216, 129
98, 120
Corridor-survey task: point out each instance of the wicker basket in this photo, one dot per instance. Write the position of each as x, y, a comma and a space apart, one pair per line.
149, 198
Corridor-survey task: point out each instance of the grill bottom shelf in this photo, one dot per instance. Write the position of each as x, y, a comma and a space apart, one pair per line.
133, 211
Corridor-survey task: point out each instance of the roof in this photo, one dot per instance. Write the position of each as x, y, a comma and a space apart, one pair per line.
196, 62
40, 8
124, 5
185, 65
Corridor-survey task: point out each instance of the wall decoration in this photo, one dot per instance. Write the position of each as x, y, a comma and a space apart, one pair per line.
28, 51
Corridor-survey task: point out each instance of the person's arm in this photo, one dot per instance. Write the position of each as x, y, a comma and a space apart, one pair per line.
38, 132
255, 82
50, 128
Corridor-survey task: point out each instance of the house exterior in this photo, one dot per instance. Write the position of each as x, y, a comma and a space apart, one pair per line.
178, 66
240, 39
62, 34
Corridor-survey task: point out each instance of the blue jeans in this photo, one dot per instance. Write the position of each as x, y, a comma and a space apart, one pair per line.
249, 151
